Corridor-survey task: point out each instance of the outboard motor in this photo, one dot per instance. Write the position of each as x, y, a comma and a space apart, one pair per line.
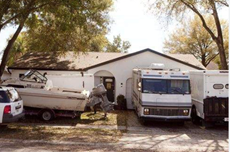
98, 96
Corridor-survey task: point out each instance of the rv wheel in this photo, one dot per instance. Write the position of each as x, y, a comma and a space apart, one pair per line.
47, 115
195, 118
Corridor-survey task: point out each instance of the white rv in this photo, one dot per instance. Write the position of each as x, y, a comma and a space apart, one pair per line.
161, 94
209, 95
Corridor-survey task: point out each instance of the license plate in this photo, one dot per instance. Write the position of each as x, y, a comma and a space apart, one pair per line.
18, 107
225, 119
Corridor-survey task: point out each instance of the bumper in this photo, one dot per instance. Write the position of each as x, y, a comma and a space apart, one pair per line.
216, 119
7, 118
165, 119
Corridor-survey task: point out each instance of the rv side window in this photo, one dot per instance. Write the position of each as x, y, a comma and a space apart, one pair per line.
218, 86
226, 86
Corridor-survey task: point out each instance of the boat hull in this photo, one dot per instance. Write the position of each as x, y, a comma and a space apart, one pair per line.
39, 98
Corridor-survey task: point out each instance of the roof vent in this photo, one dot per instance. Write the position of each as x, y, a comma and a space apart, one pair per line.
157, 66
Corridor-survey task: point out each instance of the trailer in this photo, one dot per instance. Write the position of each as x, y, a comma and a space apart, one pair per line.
209, 96
161, 94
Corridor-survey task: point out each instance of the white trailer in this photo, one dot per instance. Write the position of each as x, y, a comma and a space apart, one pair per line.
209, 95
161, 94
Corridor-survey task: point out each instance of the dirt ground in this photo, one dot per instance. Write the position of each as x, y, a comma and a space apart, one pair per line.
67, 134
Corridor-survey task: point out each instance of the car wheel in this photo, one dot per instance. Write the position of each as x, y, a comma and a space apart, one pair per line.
47, 115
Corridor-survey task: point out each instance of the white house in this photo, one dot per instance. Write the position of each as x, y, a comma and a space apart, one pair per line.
84, 71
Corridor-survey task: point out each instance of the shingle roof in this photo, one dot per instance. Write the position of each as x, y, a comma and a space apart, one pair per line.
71, 61
188, 58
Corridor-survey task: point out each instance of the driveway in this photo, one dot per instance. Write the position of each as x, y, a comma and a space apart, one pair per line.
130, 135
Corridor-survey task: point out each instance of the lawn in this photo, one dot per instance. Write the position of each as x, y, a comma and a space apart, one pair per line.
114, 118
59, 134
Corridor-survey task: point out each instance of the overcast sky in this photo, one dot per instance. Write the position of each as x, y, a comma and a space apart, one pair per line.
134, 23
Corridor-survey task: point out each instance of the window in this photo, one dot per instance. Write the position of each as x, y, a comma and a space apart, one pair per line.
226, 86
34, 76
218, 86
154, 86
3, 97
178, 86
162, 86
14, 96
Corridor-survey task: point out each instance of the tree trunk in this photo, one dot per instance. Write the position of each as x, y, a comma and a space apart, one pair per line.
219, 40
203, 61
9, 46
223, 61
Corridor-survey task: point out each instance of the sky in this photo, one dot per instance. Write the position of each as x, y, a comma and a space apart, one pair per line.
134, 23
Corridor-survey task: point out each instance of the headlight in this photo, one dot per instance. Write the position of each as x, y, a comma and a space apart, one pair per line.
185, 112
146, 111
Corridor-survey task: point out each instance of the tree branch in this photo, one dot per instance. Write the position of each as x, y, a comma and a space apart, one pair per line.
223, 3
210, 59
20, 13
193, 8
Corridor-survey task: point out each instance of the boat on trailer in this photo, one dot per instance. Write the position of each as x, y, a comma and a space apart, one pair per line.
42, 98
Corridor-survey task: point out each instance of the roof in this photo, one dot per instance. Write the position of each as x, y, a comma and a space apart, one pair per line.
84, 61
188, 58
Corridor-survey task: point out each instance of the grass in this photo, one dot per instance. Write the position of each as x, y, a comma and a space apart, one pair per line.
114, 118
60, 134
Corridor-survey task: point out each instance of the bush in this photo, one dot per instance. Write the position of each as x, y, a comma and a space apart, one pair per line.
121, 103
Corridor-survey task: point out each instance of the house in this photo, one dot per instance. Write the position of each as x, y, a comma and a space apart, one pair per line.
84, 71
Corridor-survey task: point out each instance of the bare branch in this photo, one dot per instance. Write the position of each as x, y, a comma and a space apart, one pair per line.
193, 8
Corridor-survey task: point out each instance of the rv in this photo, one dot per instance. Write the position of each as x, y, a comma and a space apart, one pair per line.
209, 96
160, 94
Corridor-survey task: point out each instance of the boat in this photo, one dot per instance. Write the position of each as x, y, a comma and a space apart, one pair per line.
39, 94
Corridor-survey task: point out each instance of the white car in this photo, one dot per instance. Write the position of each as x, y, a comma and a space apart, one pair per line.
11, 105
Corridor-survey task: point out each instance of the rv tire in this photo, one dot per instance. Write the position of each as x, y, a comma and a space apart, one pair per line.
195, 118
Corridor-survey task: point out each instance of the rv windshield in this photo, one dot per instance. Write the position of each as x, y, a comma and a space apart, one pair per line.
161, 86
34, 76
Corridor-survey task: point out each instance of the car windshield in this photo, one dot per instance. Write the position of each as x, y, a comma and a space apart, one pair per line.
34, 76
161, 86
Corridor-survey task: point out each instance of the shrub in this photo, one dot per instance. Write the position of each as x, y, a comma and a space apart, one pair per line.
121, 102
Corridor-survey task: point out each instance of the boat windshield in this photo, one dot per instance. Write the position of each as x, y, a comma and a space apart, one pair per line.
34, 76
163, 86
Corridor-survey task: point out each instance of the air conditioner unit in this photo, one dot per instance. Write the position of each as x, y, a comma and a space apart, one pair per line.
158, 66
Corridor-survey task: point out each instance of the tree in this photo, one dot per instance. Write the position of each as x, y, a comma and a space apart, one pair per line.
64, 25
118, 45
18, 49
192, 38
180, 8
26, 43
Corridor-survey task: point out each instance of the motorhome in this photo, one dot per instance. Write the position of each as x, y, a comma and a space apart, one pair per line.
43, 99
209, 96
161, 94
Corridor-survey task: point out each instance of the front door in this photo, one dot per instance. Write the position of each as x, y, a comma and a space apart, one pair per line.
109, 83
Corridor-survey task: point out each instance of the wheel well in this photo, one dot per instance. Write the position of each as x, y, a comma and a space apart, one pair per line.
194, 107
